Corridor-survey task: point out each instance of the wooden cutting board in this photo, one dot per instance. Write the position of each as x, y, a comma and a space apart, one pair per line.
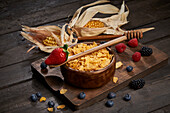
145, 66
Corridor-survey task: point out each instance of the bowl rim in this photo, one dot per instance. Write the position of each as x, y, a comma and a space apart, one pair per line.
96, 71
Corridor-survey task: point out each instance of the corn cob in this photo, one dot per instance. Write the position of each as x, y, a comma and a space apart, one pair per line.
50, 41
94, 24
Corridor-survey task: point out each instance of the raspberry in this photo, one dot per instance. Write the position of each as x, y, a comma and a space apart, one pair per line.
146, 51
137, 84
133, 42
120, 47
136, 56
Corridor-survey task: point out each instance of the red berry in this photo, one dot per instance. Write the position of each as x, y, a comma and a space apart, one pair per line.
57, 56
120, 47
136, 56
133, 42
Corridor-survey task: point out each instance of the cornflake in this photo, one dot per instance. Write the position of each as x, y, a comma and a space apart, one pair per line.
63, 91
60, 106
42, 99
50, 109
119, 64
115, 79
91, 62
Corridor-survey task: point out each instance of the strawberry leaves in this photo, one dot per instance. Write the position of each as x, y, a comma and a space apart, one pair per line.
65, 47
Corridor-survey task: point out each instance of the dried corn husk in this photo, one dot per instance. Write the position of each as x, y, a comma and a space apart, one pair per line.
112, 24
37, 34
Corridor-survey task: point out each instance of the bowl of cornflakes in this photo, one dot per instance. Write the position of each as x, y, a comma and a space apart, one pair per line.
89, 71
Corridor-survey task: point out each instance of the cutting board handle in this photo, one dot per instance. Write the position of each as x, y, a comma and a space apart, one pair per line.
55, 81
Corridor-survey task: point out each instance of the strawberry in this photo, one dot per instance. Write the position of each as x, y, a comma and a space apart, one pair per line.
136, 56
57, 56
120, 47
133, 42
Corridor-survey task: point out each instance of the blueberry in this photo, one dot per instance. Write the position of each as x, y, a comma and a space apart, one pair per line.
109, 103
38, 94
43, 65
82, 95
127, 97
111, 95
34, 97
129, 68
51, 104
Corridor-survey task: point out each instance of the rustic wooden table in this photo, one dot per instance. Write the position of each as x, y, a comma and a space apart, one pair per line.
17, 83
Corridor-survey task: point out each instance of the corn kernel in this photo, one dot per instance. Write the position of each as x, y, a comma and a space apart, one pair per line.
50, 41
94, 24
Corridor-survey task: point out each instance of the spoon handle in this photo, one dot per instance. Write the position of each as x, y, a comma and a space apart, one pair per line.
107, 44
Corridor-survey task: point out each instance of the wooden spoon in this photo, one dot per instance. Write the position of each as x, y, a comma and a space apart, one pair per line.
107, 44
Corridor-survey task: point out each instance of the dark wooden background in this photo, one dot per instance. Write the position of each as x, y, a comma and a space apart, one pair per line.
17, 83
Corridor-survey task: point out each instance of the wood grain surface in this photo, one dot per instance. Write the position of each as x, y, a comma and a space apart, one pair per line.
17, 82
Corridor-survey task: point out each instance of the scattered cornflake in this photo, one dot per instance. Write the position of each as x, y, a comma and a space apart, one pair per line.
63, 91
50, 109
115, 79
60, 106
42, 99
119, 64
